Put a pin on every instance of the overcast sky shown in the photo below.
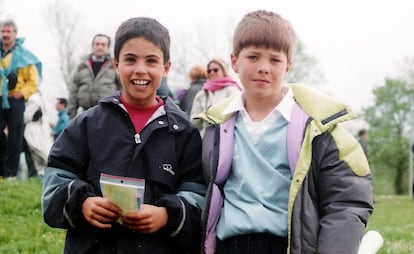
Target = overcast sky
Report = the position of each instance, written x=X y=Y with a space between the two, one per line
x=357 y=43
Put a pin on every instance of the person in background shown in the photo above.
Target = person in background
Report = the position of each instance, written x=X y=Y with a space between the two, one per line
x=95 y=77
x=3 y=151
x=362 y=138
x=133 y=133
x=164 y=89
x=285 y=176
x=197 y=76
x=412 y=150
x=218 y=87
x=37 y=135
x=20 y=73
x=179 y=95
x=63 y=117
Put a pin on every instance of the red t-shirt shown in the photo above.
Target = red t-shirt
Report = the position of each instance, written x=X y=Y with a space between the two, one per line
x=140 y=115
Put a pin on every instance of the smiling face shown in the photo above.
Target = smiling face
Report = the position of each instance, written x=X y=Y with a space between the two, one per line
x=141 y=68
x=261 y=71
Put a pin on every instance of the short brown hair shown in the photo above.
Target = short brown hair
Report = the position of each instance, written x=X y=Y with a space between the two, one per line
x=197 y=72
x=264 y=29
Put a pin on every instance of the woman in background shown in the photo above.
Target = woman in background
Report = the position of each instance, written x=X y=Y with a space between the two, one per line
x=218 y=87
x=198 y=76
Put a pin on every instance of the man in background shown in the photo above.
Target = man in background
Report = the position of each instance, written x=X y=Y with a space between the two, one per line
x=3 y=150
x=94 y=78
x=20 y=73
x=37 y=136
x=362 y=138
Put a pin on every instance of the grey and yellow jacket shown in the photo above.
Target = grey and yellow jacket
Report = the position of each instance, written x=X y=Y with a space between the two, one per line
x=166 y=153
x=86 y=89
x=330 y=198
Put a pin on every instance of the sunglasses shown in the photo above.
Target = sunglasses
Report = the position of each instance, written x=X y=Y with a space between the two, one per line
x=211 y=70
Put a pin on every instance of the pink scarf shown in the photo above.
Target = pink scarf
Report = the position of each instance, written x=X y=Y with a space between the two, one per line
x=214 y=85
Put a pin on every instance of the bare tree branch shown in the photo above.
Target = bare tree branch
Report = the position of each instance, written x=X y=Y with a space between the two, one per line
x=210 y=39
x=304 y=67
x=64 y=22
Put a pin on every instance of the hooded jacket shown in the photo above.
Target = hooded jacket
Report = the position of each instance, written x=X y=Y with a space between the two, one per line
x=166 y=153
x=330 y=197
x=86 y=89
x=187 y=102
x=205 y=98
x=26 y=66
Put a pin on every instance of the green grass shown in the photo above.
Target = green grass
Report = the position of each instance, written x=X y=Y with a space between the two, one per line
x=393 y=218
x=22 y=229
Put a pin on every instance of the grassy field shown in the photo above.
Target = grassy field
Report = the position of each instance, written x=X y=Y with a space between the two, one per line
x=22 y=229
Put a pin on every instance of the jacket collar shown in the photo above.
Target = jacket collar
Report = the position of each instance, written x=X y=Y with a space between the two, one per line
x=176 y=119
x=324 y=110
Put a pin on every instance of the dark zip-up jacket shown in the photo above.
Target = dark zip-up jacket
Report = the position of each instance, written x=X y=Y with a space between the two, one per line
x=330 y=197
x=167 y=154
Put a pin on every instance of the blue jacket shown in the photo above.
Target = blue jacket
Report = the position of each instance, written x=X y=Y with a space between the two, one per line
x=62 y=122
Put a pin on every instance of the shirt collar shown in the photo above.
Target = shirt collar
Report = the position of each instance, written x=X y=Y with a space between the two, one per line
x=284 y=108
x=4 y=53
x=98 y=59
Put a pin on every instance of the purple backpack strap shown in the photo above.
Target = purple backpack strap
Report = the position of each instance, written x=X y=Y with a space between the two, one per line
x=223 y=169
x=294 y=135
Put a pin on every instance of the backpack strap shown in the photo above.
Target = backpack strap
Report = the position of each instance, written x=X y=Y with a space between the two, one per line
x=294 y=134
x=224 y=156
x=209 y=155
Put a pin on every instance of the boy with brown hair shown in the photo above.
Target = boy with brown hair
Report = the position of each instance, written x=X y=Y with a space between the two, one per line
x=284 y=176
x=135 y=134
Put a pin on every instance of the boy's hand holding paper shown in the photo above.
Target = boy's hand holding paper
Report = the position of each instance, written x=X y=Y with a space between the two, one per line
x=125 y=192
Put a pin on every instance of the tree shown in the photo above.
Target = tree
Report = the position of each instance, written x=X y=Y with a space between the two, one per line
x=206 y=40
x=407 y=68
x=64 y=22
x=304 y=67
x=388 y=143
x=214 y=39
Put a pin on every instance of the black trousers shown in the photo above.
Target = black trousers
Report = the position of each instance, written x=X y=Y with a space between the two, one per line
x=262 y=243
x=29 y=160
x=3 y=152
x=12 y=118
